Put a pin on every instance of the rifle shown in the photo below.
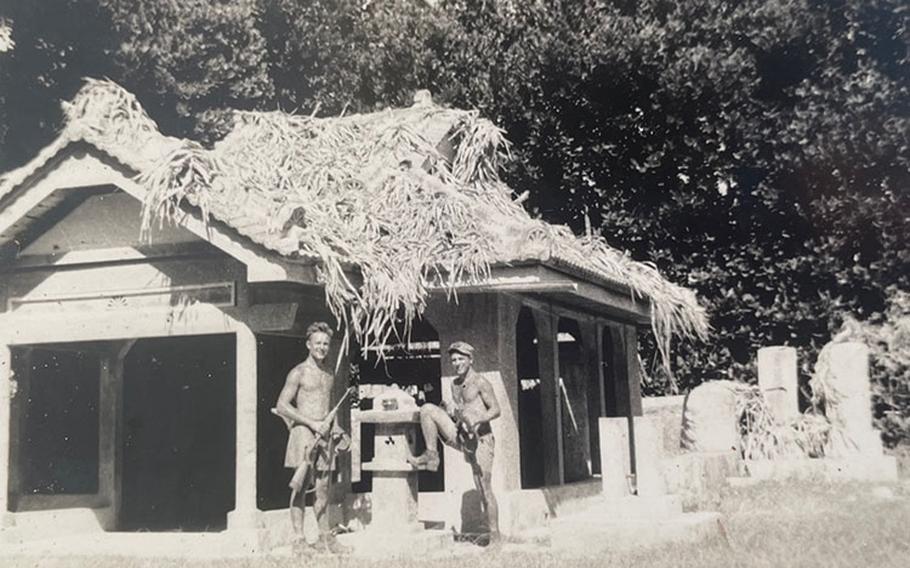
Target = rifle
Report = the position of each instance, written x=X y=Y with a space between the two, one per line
x=297 y=480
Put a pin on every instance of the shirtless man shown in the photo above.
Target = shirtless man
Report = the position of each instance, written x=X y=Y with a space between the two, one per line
x=465 y=425
x=305 y=402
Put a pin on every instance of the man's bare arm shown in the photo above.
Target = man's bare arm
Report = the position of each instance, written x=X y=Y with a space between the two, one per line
x=287 y=410
x=489 y=400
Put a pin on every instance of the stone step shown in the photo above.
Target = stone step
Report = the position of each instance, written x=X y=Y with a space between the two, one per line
x=412 y=544
x=875 y=468
x=585 y=535
x=632 y=507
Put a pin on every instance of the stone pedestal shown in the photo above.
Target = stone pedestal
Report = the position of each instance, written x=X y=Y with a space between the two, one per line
x=394 y=496
x=777 y=379
x=850 y=410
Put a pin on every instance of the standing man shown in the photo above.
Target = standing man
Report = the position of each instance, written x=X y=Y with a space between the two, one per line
x=465 y=426
x=304 y=403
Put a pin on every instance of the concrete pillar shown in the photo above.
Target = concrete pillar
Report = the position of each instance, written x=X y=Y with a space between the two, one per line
x=108 y=410
x=777 y=380
x=633 y=371
x=245 y=514
x=6 y=378
x=615 y=463
x=851 y=409
x=551 y=407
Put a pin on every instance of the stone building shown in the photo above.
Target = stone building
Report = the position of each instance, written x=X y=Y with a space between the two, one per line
x=139 y=360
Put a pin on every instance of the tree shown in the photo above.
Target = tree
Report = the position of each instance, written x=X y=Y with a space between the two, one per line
x=757 y=151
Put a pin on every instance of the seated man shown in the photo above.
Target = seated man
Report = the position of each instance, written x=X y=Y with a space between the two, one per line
x=465 y=426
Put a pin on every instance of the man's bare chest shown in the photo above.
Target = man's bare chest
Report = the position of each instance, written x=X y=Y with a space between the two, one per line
x=311 y=379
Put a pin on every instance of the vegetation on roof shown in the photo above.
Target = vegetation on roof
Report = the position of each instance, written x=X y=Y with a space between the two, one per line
x=377 y=191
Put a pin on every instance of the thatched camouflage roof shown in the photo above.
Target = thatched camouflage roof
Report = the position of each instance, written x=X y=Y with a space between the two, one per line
x=411 y=198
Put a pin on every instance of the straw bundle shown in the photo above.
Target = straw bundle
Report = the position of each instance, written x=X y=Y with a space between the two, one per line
x=373 y=192
x=763 y=436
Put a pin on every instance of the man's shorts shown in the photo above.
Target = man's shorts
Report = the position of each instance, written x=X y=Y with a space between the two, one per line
x=481 y=459
x=300 y=441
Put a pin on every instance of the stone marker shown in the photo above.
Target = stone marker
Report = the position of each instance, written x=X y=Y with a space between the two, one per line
x=615 y=457
x=777 y=379
x=710 y=422
x=844 y=367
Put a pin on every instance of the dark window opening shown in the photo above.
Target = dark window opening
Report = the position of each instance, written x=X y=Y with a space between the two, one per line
x=58 y=394
x=572 y=388
x=530 y=411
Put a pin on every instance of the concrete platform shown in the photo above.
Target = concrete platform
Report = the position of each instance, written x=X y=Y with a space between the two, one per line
x=139 y=545
x=587 y=535
x=379 y=544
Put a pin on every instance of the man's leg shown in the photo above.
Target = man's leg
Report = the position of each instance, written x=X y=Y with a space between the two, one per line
x=489 y=504
x=321 y=502
x=326 y=542
x=298 y=493
x=434 y=422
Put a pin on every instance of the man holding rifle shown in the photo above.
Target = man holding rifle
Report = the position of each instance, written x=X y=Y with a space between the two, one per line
x=465 y=425
x=314 y=438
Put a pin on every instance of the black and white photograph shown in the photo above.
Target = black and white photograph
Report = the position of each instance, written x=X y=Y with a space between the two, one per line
x=448 y=283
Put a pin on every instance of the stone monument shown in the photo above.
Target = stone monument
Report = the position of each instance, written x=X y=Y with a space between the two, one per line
x=709 y=418
x=778 y=381
x=845 y=370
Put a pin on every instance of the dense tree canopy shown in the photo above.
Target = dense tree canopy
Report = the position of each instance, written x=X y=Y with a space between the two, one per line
x=758 y=151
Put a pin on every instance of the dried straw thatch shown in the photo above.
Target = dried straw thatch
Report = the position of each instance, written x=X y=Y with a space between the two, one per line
x=373 y=192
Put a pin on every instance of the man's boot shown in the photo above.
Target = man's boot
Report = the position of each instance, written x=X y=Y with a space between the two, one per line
x=301 y=547
x=328 y=544
x=428 y=461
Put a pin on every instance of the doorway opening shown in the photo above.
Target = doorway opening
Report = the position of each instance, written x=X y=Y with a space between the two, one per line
x=179 y=434
x=530 y=410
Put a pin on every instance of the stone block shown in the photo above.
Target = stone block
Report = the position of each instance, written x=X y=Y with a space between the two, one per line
x=616 y=457
x=778 y=381
x=709 y=418
x=667 y=411
x=695 y=473
x=844 y=367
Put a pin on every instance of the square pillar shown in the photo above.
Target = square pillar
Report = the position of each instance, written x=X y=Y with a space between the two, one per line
x=109 y=407
x=551 y=410
x=778 y=381
x=6 y=386
x=245 y=514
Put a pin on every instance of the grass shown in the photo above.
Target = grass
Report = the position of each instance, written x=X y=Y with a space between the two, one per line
x=770 y=525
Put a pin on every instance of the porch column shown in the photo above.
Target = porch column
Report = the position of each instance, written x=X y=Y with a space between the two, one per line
x=6 y=376
x=551 y=412
x=245 y=514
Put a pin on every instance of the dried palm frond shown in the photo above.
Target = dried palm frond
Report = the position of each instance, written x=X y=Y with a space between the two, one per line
x=766 y=437
x=370 y=193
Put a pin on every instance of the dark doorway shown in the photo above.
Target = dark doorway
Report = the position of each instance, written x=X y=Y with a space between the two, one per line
x=608 y=364
x=278 y=354
x=573 y=392
x=179 y=434
x=58 y=419
x=530 y=410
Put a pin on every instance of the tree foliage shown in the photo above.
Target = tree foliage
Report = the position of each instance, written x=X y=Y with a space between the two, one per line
x=758 y=151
